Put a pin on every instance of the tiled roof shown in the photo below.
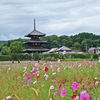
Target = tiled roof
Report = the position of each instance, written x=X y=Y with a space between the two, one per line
x=35 y=33
x=53 y=49
x=64 y=48
x=92 y=48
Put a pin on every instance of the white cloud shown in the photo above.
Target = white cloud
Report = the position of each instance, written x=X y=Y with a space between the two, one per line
x=59 y=17
x=3 y=37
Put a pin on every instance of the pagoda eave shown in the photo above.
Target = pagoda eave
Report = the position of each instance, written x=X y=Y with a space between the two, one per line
x=33 y=35
x=41 y=42
x=36 y=50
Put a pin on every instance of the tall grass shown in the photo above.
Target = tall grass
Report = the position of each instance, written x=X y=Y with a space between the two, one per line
x=86 y=73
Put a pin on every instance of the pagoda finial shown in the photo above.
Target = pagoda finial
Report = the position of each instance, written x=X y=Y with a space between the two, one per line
x=34 y=24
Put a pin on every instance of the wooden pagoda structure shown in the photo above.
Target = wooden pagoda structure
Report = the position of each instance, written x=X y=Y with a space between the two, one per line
x=35 y=43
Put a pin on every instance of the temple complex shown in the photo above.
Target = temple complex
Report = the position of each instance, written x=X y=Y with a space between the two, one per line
x=35 y=43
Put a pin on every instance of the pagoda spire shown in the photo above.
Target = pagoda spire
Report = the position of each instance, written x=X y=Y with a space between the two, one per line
x=34 y=24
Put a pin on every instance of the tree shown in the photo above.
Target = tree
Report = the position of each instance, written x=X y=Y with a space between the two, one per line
x=4 y=50
x=63 y=42
x=15 y=47
x=0 y=46
x=76 y=45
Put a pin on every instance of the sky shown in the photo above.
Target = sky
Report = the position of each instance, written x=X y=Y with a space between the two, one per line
x=53 y=17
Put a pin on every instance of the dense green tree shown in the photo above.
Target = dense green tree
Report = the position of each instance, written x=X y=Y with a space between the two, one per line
x=78 y=41
x=64 y=42
x=76 y=45
x=15 y=47
x=1 y=46
x=4 y=50
x=55 y=44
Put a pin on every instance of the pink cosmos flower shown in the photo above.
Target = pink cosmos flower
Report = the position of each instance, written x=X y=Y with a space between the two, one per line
x=28 y=78
x=75 y=85
x=51 y=62
x=34 y=74
x=84 y=96
x=28 y=74
x=23 y=81
x=60 y=86
x=58 y=69
x=51 y=66
x=50 y=98
x=98 y=99
x=37 y=68
x=55 y=93
x=83 y=92
x=33 y=69
x=58 y=61
x=64 y=52
x=28 y=84
x=63 y=92
x=36 y=64
x=29 y=61
x=0 y=69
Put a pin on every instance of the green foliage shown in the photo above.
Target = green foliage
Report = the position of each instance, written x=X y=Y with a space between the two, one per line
x=49 y=59
x=76 y=42
x=0 y=46
x=95 y=56
x=4 y=50
x=51 y=56
x=15 y=47
x=5 y=57
x=21 y=56
x=36 y=56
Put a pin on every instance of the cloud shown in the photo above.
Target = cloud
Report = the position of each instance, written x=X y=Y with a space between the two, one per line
x=59 y=17
x=3 y=37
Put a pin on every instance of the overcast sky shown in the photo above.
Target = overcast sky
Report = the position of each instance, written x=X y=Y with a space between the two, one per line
x=53 y=17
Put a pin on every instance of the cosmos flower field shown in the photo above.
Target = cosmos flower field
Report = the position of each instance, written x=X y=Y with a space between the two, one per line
x=30 y=80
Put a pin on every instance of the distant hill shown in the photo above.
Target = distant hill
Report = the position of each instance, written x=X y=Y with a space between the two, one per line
x=2 y=42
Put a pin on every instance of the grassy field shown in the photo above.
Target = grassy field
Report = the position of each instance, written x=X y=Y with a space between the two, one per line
x=30 y=80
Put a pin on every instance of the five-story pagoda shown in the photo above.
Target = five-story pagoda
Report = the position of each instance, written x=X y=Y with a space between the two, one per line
x=35 y=43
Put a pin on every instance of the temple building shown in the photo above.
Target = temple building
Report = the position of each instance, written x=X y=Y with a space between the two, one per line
x=35 y=43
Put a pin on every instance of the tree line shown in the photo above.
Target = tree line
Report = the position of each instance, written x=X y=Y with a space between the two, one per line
x=75 y=42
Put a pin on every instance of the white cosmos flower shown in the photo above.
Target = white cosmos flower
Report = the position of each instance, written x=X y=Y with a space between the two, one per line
x=96 y=82
x=51 y=87
x=34 y=82
x=24 y=73
x=18 y=77
x=77 y=98
x=54 y=73
x=8 y=97
x=45 y=74
x=24 y=69
x=9 y=68
x=95 y=78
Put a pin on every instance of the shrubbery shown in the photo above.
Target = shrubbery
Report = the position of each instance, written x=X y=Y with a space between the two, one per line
x=50 y=57
x=5 y=57
x=95 y=56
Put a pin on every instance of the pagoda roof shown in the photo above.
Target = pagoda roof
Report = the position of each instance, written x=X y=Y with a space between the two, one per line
x=35 y=32
x=32 y=50
x=35 y=42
